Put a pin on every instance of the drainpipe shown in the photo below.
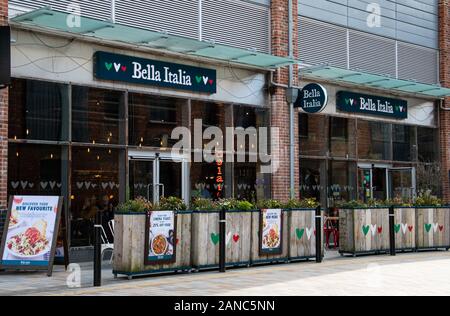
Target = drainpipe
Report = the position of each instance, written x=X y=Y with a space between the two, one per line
x=291 y=105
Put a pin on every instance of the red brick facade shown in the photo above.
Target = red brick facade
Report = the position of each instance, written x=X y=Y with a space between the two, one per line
x=444 y=43
x=3 y=123
x=279 y=106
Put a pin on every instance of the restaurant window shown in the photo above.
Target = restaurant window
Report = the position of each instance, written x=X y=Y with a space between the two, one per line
x=303 y=125
x=342 y=184
x=208 y=182
x=35 y=110
x=316 y=142
x=34 y=170
x=153 y=118
x=404 y=138
x=428 y=144
x=313 y=179
x=96 y=115
x=95 y=187
x=374 y=140
x=342 y=137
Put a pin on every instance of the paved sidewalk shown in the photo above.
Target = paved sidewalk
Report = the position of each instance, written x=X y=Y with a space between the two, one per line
x=406 y=274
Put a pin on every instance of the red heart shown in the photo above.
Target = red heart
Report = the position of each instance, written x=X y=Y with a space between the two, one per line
x=211 y=82
x=315 y=232
x=18 y=201
x=236 y=238
x=441 y=228
x=124 y=68
x=380 y=230
x=177 y=241
x=411 y=228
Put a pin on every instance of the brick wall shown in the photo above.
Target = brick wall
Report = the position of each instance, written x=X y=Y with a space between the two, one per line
x=279 y=106
x=444 y=42
x=3 y=131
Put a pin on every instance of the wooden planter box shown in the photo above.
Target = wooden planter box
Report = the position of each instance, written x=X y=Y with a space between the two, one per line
x=205 y=239
x=302 y=237
x=405 y=229
x=364 y=231
x=433 y=228
x=129 y=245
x=255 y=256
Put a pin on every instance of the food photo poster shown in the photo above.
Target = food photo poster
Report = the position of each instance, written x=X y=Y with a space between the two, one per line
x=31 y=229
x=271 y=234
x=160 y=237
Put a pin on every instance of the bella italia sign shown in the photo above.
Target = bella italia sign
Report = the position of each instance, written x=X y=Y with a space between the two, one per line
x=130 y=69
x=372 y=105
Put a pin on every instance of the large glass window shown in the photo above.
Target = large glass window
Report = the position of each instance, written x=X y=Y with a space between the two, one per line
x=404 y=142
x=34 y=170
x=428 y=144
x=374 y=140
x=314 y=137
x=342 y=137
x=96 y=115
x=342 y=181
x=152 y=119
x=313 y=179
x=35 y=110
x=95 y=187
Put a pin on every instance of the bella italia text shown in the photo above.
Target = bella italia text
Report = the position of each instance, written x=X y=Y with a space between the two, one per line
x=150 y=73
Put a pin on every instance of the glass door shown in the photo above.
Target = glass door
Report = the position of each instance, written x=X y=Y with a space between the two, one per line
x=365 y=184
x=402 y=183
x=142 y=179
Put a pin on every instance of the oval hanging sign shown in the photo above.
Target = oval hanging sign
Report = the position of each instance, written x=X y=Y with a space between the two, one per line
x=312 y=99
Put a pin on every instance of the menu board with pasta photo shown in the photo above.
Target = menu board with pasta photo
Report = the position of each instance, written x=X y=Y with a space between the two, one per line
x=271 y=231
x=160 y=243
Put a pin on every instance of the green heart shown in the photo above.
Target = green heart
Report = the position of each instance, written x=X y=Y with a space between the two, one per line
x=215 y=238
x=397 y=228
x=300 y=233
x=198 y=78
x=347 y=101
x=366 y=230
x=108 y=66
x=428 y=227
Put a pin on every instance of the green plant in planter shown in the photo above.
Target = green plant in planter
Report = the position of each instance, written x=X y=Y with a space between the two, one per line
x=426 y=198
x=227 y=204
x=201 y=204
x=244 y=206
x=352 y=204
x=171 y=204
x=139 y=205
x=399 y=202
x=269 y=204
x=304 y=203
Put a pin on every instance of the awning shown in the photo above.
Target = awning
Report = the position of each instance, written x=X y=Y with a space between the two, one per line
x=51 y=20
x=370 y=81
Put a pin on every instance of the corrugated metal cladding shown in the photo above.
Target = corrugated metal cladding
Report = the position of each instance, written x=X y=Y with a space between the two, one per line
x=237 y=23
x=418 y=63
x=98 y=9
x=331 y=47
x=413 y=21
x=372 y=53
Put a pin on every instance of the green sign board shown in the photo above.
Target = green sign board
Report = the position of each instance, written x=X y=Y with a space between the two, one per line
x=371 y=105
x=108 y=66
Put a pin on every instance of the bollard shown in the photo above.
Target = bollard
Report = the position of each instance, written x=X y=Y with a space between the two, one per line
x=98 y=250
x=392 y=230
x=222 y=245
x=319 y=234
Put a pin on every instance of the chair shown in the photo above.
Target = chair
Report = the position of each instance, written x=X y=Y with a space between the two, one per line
x=106 y=245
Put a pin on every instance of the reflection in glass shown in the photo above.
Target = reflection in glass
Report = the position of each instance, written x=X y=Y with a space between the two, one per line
x=403 y=138
x=35 y=109
x=141 y=179
x=428 y=144
x=342 y=137
x=95 y=115
x=315 y=143
x=34 y=170
x=374 y=140
x=312 y=180
x=342 y=181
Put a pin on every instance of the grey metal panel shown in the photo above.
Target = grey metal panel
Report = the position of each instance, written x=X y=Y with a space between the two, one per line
x=419 y=40
x=237 y=23
x=431 y=23
x=323 y=14
x=415 y=13
x=362 y=26
x=99 y=9
x=418 y=63
x=430 y=6
x=419 y=31
x=321 y=42
x=178 y=17
x=372 y=53
x=387 y=7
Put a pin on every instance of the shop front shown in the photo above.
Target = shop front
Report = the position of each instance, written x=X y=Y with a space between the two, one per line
x=93 y=123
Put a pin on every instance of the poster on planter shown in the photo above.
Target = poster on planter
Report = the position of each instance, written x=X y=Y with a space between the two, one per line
x=271 y=231
x=31 y=231
x=161 y=238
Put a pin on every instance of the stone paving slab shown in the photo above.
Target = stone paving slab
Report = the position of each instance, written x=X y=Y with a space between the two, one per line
x=406 y=274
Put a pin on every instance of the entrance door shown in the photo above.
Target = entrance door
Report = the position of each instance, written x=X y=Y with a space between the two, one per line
x=402 y=183
x=155 y=175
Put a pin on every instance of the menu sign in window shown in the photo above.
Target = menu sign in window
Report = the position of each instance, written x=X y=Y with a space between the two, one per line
x=372 y=105
x=31 y=231
x=161 y=241
x=271 y=231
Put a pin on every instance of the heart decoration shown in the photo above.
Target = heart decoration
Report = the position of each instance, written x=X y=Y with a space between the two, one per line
x=124 y=68
x=380 y=230
x=198 y=79
x=366 y=230
x=236 y=238
x=228 y=240
x=435 y=227
x=18 y=200
x=211 y=82
x=108 y=66
x=15 y=185
x=215 y=238
x=177 y=241
x=441 y=228
x=404 y=228
x=410 y=228
x=397 y=228
x=373 y=228
x=309 y=233
x=428 y=227
x=300 y=233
